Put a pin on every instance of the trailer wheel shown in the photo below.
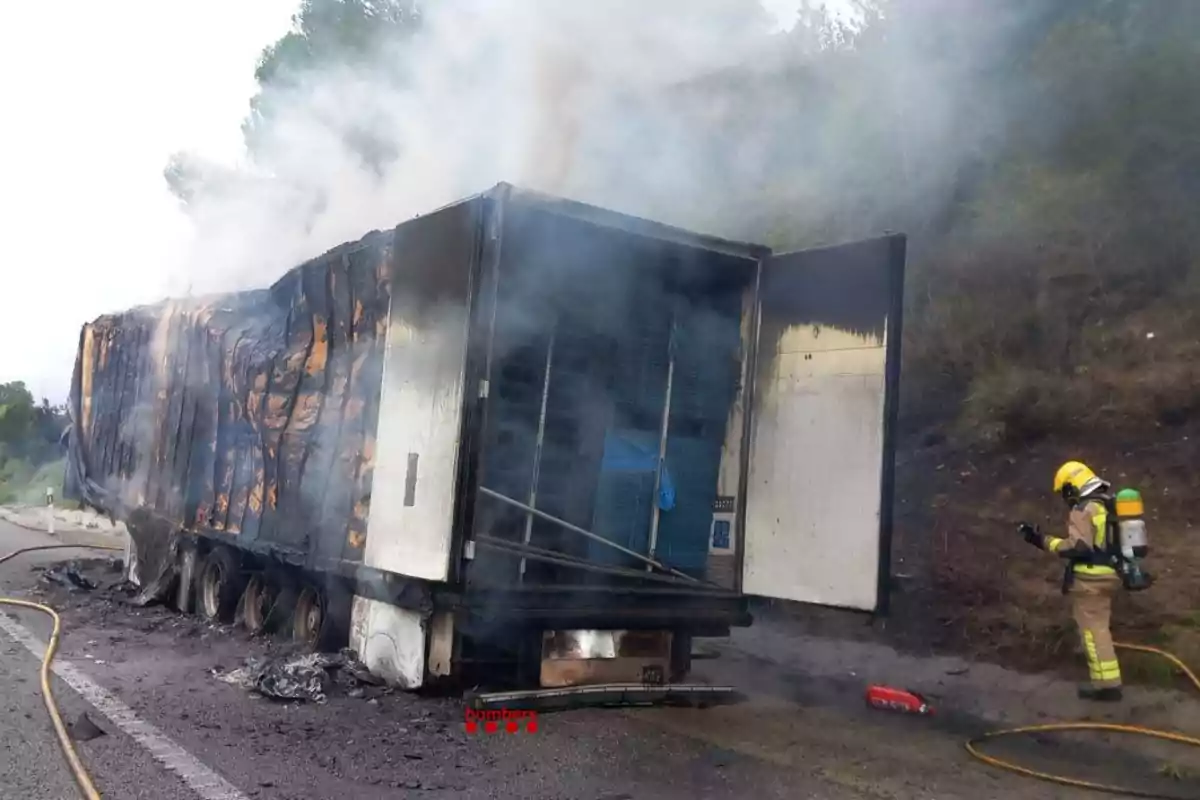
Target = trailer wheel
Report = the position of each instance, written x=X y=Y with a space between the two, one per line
x=280 y=617
x=258 y=601
x=307 y=616
x=220 y=586
x=320 y=619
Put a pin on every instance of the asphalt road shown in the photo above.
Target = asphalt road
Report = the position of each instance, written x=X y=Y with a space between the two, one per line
x=34 y=765
x=35 y=769
x=797 y=737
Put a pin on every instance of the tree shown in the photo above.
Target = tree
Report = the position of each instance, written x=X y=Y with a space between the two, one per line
x=327 y=35
x=50 y=422
x=28 y=431
x=18 y=415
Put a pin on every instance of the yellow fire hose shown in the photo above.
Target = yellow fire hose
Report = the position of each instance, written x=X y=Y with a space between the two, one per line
x=1109 y=727
x=86 y=787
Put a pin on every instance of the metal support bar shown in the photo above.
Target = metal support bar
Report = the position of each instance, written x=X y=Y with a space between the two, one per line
x=655 y=510
x=537 y=453
x=563 y=560
x=585 y=533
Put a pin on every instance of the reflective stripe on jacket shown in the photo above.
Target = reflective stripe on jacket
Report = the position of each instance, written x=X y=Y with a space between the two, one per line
x=1087 y=523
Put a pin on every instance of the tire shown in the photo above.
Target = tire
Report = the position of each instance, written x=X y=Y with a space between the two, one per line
x=219 y=586
x=286 y=593
x=258 y=602
x=321 y=618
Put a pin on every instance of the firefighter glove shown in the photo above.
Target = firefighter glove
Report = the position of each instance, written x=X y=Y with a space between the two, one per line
x=1033 y=535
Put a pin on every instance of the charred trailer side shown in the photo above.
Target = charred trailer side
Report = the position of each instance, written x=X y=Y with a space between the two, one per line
x=235 y=435
x=544 y=437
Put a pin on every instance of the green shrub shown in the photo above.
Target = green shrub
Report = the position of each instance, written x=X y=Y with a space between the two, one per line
x=22 y=483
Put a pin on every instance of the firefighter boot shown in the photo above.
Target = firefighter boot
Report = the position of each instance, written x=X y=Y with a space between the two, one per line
x=1104 y=694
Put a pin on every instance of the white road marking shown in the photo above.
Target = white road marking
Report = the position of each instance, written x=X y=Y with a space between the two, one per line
x=206 y=783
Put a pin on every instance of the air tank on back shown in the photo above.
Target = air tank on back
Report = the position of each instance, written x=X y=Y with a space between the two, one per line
x=1131 y=531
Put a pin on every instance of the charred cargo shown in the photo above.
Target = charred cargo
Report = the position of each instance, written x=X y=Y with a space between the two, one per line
x=517 y=430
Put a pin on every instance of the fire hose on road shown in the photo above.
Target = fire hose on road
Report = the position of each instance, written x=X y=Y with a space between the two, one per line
x=86 y=787
x=1108 y=727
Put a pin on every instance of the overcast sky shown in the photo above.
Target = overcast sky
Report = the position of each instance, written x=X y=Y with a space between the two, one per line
x=95 y=97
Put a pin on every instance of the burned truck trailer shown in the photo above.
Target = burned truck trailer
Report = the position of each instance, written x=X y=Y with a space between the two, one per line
x=517 y=430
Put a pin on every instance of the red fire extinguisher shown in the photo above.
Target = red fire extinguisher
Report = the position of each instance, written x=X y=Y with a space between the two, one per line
x=888 y=698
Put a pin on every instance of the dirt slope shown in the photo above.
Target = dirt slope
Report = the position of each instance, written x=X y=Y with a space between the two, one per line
x=968 y=582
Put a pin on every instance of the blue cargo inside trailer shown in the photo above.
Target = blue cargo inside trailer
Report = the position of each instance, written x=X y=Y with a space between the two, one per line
x=616 y=366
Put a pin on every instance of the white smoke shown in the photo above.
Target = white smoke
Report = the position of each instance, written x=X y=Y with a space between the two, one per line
x=545 y=94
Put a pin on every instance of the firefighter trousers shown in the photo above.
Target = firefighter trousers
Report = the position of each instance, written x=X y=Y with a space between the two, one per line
x=1091 y=605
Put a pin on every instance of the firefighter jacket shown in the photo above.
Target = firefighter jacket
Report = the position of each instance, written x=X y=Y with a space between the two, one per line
x=1087 y=524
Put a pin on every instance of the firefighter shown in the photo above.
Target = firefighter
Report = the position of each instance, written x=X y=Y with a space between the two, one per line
x=1089 y=578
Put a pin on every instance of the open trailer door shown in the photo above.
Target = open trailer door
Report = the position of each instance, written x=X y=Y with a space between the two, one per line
x=820 y=472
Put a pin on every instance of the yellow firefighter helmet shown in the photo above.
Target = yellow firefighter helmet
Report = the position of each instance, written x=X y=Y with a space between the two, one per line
x=1075 y=479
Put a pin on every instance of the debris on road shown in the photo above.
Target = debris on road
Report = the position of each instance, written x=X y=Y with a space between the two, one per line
x=69 y=576
x=302 y=678
x=307 y=677
x=84 y=730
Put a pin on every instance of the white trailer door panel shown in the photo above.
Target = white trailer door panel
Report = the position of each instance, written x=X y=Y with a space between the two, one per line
x=819 y=487
x=411 y=529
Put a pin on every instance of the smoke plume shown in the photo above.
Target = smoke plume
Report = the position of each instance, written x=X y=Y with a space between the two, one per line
x=543 y=94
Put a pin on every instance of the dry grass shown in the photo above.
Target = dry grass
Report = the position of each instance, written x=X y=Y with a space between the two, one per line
x=1022 y=357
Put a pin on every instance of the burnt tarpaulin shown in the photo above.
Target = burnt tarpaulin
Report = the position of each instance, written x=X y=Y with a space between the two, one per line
x=155 y=541
x=251 y=415
x=69 y=577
